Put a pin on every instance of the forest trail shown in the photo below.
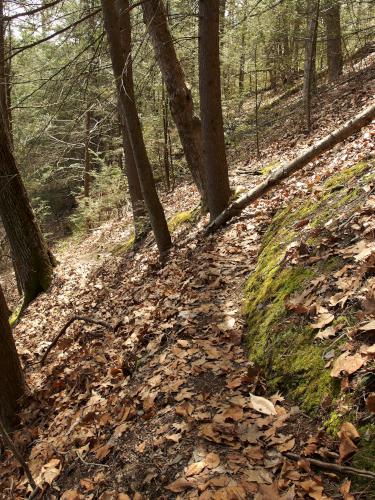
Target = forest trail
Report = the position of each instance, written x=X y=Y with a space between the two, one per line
x=162 y=406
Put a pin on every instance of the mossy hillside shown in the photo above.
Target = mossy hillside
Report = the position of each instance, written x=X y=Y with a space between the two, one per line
x=281 y=342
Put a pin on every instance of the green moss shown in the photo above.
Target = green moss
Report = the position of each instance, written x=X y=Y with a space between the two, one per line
x=333 y=423
x=16 y=314
x=267 y=169
x=179 y=219
x=122 y=248
x=282 y=342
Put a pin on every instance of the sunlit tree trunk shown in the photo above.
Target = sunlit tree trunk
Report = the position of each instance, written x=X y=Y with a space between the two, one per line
x=333 y=35
x=11 y=376
x=179 y=93
x=309 y=82
x=120 y=51
x=214 y=155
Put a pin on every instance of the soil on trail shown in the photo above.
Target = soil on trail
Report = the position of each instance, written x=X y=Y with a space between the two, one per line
x=165 y=405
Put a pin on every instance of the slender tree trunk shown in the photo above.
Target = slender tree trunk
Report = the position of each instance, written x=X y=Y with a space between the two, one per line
x=214 y=155
x=309 y=82
x=333 y=35
x=140 y=219
x=167 y=167
x=11 y=376
x=30 y=255
x=180 y=99
x=120 y=50
x=87 y=159
x=4 y=77
x=241 y=75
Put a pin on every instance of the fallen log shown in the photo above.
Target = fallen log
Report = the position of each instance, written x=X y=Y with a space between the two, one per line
x=275 y=178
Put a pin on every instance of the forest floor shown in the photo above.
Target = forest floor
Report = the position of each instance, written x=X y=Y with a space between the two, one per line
x=163 y=403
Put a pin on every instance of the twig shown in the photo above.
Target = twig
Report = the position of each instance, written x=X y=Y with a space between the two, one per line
x=342 y=469
x=8 y=442
x=66 y=326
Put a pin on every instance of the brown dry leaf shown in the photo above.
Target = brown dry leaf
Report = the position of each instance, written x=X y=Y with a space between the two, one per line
x=311 y=446
x=370 y=402
x=195 y=468
x=347 y=363
x=174 y=437
x=347 y=448
x=227 y=324
x=345 y=491
x=268 y=492
x=103 y=451
x=323 y=320
x=349 y=429
x=260 y=476
x=180 y=485
x=185 y=409
x=368 y=327
x=212 y=460
x=49 y=472
x=87 y=484
x=287 y=446
x=253 y=452
x=262 y=405
x=327 y=333
x=71 y=495
x=313 y=489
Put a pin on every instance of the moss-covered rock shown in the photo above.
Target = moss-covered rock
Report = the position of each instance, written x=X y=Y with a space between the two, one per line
x=280 y=341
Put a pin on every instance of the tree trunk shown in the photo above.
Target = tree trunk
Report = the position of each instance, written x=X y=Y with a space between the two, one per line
x=180 y=98
x=214 y=155
x=140 y=219
x=31 y=258
x=325 y=144
x=309 y=82
x=4 y=77
x=333 y=35
x=120 y=51
x=166 y=162
x=87 y=159
x=11 y=376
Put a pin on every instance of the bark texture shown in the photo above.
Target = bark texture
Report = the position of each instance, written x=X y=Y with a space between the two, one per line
x=31 y=258
x=328 y=142
x=179 y=93
x=309 y=79
x=333 y=34
x=214 y=155
x=11 y=376
x=119 y=38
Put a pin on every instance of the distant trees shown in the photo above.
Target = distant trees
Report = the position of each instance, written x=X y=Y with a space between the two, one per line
x=11 y=376
x=214 y=154
x=120 y=51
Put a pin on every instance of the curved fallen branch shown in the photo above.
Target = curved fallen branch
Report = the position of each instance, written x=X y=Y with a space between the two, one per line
x=9 y=443
x=66 y=326
x=328 y=142
x=341 y=469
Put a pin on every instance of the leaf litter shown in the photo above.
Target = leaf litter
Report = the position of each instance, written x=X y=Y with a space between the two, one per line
x=166 y=406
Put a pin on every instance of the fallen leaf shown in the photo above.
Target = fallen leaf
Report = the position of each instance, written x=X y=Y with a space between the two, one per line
x=262 y=405
x=368 y=327
x=259 y=476
x=347 y=448
x=195 y=468
x=212 y=460
x=180 y=485
x=227 y=324
x=347 y=363
x=323 y=320
x=313 y=489
x=349 y=429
